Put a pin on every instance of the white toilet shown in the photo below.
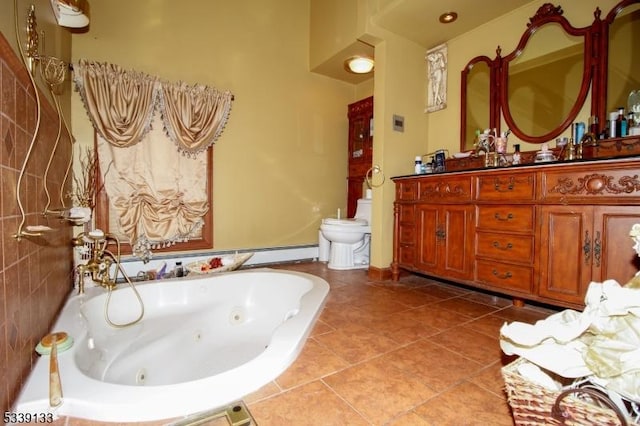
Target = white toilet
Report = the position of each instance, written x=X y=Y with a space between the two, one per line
x=347 y=239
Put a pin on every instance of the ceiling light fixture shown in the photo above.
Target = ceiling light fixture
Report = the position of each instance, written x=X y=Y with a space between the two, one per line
x=359 y=64
x=447 y=18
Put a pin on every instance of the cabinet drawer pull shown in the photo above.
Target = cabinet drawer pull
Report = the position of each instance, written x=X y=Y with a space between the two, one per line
x=500 y=187
x=504 y=276
x=597 y=249
x=497 y=245
x=586 y=247
x=509 y=216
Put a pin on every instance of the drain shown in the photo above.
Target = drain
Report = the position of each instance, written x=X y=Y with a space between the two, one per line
x=141 y=376
x=237 y=315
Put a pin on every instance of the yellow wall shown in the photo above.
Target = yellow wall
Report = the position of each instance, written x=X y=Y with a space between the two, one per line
x=334 y=27
x=281 y=163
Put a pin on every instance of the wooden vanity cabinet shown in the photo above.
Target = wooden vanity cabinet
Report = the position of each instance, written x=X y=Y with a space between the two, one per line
x=360 y=150
x=536 y=233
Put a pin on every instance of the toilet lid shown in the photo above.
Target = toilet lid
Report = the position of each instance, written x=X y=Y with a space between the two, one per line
x=345 y=222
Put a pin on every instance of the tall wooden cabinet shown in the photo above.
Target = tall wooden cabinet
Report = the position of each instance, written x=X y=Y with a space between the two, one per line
x=539 y=232
x=360 y=146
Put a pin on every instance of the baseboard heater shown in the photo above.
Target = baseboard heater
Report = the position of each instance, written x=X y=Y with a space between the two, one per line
x=261 y=256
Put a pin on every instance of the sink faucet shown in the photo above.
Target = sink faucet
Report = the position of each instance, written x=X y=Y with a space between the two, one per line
x=99 y=265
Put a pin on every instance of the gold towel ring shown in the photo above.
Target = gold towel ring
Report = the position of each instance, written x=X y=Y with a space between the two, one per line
x=369 y=176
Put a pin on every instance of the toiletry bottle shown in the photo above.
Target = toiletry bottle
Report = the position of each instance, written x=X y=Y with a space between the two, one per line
x=418 y=165
x=593 y=125
x=613 y=118
x=516 y=155
x=580 y=127
x=621 y=123
x=179 y=269
x=631 y=120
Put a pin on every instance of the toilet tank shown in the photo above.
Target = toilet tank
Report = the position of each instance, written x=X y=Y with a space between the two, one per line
x=363 y=209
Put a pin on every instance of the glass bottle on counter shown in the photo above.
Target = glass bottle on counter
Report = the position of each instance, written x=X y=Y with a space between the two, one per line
x=516 y=155
x=179 y=269
x=418 y=165
x=621 y=124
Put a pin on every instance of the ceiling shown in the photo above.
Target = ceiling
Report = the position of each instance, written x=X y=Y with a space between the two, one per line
x=417 y=20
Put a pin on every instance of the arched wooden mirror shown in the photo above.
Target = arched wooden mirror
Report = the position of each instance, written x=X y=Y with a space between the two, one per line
x=622 y=36
x=479 y=100
x=544 y=82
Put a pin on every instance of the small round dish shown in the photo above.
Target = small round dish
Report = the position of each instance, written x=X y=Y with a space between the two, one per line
x=462 y=154
x=544 y=157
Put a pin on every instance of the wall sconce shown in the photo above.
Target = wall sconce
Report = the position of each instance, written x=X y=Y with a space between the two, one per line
x=70 y=13
x=359 y=64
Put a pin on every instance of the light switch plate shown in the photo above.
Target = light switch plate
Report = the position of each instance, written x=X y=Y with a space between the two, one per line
x=398 y=123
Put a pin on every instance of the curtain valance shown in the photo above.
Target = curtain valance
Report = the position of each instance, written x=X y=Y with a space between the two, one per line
x=194 y=116
x=121 y=104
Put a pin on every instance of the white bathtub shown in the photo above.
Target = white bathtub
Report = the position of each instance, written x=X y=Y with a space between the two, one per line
x=203 y=342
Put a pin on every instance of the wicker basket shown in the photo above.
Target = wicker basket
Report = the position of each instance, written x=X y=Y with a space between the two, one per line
x=532 y=404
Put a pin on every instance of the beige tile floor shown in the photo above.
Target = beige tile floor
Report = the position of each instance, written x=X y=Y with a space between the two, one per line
x=415 y=352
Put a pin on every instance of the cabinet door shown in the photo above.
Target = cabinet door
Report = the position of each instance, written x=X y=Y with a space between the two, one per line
x=566 y=250
x=457 y=252
x=613 y=254
x=429 y=235
x=445 y=240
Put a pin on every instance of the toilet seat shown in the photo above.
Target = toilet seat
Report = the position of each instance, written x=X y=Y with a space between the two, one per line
x=345 y=222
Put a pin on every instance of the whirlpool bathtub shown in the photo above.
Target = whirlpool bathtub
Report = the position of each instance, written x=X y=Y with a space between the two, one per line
x=203 y=342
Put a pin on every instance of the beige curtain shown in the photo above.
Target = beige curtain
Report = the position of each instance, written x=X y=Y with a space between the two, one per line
x=158 y=195
x=194 y=116
x=119 y=103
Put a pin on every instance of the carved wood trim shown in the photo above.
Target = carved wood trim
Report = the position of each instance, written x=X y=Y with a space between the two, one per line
x=596 y=184
x=545 y=11
x=444 y=189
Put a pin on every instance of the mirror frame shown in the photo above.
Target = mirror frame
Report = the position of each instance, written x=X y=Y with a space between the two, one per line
x=601 y=77
x=595 y=74
x=547 y=14
x=494 y=106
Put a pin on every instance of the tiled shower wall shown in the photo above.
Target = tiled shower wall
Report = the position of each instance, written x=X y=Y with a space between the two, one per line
x=36 y=272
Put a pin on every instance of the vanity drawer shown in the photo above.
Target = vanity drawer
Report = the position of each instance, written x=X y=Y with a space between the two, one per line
x=506 y=186
x=407 y=234
x=506 y=218
x=445 y=189
x=406 y=213
x=406 y=255
x=564 y=186
x=505 y=275
x=406 y=190
x=514 y=248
